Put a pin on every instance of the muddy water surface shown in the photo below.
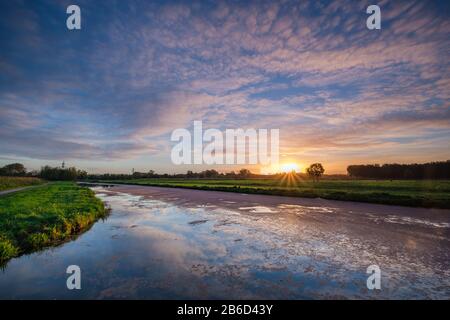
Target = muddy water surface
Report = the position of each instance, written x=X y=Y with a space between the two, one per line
x=176 y=243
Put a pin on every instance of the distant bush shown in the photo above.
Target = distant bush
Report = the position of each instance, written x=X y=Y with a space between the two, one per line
x=66 y=174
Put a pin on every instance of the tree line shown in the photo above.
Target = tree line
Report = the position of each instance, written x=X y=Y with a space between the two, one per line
x=206 y=174
x=72 y=173
x=46 y=172
x=431 y=170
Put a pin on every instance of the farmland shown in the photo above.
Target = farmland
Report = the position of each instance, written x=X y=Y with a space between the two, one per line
x=415 y=193
x=7 y=183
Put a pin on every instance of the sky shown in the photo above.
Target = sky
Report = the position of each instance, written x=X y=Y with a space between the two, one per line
x=106 y=98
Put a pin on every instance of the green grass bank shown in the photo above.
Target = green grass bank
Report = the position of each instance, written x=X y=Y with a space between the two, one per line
x=44 y=216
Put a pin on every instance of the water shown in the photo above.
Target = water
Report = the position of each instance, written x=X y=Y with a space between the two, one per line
x=170 y=243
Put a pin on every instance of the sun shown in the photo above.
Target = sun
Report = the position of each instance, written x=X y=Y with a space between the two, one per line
x=289 y=167
x=286 y=167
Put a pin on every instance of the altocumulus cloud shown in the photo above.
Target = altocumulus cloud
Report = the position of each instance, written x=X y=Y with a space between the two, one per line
x=138 y=70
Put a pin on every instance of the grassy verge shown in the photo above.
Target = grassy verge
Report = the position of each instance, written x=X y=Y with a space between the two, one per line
x=40 y=217
x=414 y=193
x=7 y=183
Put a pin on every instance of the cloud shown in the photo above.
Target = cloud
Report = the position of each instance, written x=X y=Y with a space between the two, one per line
x=137 y=70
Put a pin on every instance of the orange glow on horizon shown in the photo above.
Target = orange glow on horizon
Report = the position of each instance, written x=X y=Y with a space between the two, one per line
x=289 y=167
x=286 y=167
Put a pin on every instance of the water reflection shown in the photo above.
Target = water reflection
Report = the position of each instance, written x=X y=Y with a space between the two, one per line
x=170 y=246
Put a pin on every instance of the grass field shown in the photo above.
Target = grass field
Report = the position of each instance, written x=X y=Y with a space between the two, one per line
x=7 y=183
x=44 y=216
x=415 y=193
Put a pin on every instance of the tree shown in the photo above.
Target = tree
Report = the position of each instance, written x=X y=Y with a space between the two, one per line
x=13 y=169
x=190 y=174
x=315 y=171
x=49 y=173
x=244 y=173
x=81 y=174
x=210 y=173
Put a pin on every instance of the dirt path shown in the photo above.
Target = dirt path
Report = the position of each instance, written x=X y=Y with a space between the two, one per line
x=5 y=192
